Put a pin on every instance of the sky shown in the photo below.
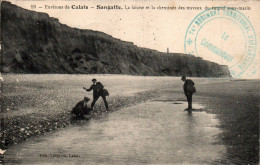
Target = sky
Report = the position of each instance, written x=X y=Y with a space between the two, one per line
x=160 y=29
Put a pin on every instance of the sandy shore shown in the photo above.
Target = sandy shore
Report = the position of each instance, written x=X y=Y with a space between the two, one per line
x=154 y=132
x=19 y=128
x=236 y=104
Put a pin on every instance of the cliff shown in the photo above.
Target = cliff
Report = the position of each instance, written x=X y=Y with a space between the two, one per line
x=33 y=42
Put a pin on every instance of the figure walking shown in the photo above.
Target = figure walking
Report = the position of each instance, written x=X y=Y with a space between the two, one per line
x=98 y=90
x=189 y=89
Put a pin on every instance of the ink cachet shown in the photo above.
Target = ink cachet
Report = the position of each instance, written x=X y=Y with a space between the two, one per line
x=225 y=35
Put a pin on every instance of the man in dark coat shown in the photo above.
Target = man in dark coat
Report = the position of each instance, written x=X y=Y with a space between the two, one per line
x=98 y=90
x=81 y=108
x=189 y=89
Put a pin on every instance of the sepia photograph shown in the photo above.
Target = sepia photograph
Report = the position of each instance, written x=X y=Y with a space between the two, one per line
x=121 y=82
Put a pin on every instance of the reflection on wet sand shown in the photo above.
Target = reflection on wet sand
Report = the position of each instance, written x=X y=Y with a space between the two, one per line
x=148 y=133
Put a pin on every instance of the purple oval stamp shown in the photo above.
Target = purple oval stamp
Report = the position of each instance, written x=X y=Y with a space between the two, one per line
x=225 y=35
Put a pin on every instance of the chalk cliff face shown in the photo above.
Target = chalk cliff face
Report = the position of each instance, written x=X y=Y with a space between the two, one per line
x=33 y=42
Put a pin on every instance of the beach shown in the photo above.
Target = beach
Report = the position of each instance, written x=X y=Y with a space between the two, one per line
x=38 y=105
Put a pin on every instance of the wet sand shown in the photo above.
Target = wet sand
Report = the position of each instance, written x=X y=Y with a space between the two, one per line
x=154 y=132
x=34 y=104
x=235 y=104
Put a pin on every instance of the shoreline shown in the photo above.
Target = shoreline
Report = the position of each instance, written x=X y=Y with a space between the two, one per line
x=2 y=74
x=234 y=103
x=17 y=129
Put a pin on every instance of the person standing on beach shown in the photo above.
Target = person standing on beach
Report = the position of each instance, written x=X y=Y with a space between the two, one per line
x=189 y=89
x=98 y=90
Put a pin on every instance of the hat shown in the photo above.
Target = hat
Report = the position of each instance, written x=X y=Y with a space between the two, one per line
x=183 y=77
x=86 y=99
x=94 y=79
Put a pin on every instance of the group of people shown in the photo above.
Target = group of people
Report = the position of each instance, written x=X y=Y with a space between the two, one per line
x=82 y=109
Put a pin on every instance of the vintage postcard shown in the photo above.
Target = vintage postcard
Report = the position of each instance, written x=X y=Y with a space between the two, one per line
x=129 y=82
